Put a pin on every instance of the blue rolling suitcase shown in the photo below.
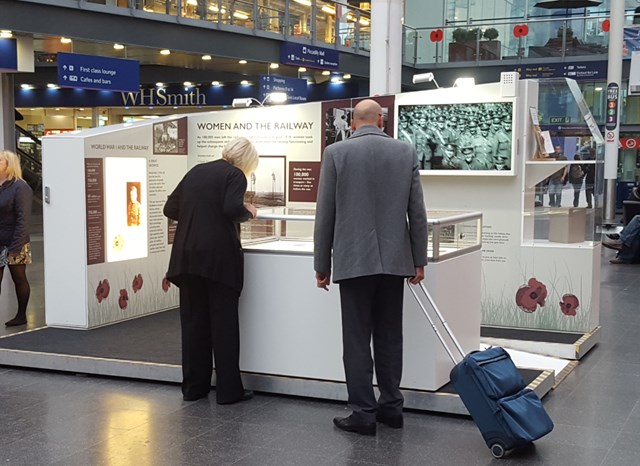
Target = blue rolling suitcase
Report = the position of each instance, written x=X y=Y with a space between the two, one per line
x=508 y=414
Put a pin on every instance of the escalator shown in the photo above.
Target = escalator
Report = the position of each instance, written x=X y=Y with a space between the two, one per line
x=29 y=149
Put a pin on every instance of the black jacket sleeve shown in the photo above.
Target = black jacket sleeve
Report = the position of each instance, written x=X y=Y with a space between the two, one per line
x=234 y=208
x=172 y=206
x=22 y=206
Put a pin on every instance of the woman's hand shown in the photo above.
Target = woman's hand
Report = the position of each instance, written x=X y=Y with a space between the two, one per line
x=252 y=209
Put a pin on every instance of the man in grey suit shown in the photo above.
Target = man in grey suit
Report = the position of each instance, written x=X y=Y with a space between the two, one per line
x=371 y=214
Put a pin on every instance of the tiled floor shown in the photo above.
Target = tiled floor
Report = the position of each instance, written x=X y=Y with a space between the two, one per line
x=53 y=418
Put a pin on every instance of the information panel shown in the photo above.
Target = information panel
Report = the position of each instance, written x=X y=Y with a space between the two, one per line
x=101 y=73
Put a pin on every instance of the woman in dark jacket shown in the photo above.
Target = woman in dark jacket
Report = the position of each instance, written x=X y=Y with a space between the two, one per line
x=207 y=265
x=15 y=215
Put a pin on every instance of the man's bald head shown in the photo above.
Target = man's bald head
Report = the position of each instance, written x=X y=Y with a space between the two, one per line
x=367 y=112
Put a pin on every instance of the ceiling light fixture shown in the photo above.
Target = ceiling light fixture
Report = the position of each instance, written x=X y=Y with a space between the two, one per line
x=327 y=9
x=364 y=22
x=242 y=62
x=274 y=66
x=159 y=84
x=192 y=2
x=302 y=69
x=26 y=86
x=206 y=57
x=336 y=80
x=216 y=83
x=118 y=46
x=52 y=86
x=244 y=82
x=272 y=97
x=326 y=73
x=346 y=76
x=65 y=40
x=303 y=2
x=215 y=9
x=187 y=84
x=165 y=52
x=240 y=14
x=6 y=34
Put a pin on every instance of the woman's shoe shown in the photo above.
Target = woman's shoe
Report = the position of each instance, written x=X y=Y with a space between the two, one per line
x=246 y=395
x=616 y=261
x=16 y=321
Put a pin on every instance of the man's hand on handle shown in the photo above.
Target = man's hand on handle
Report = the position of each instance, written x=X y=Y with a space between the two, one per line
x=418 y=277
x=323 y=279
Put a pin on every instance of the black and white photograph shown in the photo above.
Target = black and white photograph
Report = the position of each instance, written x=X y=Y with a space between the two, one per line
x=337 y=118
x=470 y=136
x=266 y=186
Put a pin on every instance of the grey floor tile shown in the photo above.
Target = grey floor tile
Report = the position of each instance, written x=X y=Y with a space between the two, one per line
x=318 y=440
x=199 y=452
x=621 y=458
x=269 y=457
x=581 y=436
x=244 y=433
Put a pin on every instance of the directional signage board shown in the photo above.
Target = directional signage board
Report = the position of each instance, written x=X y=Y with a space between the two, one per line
x=8 y=55
x=309 y=56
x=586 y=70
x=101 y=73
x=296 y=89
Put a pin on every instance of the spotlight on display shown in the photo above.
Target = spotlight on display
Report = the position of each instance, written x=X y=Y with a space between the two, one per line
x=464 y=82
x=425 y=78
x=271 y=98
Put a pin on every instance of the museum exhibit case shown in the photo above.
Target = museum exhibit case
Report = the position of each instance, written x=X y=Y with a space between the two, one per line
x=540 y=264
x=287 y=322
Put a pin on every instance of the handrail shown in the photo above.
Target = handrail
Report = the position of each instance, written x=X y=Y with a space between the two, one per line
x=27 y=156
x=28 y=134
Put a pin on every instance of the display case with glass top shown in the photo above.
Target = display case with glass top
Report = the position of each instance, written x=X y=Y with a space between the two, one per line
x=563 y=190
x=290 y=230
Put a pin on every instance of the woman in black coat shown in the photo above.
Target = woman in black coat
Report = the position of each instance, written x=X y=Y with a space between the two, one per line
x=207 y=264
x=15 y=215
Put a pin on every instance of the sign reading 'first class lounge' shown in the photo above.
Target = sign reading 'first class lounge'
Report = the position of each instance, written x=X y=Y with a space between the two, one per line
x=101 y=73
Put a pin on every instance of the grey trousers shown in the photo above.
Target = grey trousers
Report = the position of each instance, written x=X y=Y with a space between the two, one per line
x=372 y=309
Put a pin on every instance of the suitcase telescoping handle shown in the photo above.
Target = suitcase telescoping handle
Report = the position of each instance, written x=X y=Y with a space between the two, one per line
x=433 y=325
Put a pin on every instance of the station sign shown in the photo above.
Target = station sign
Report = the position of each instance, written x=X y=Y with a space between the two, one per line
x=578 y=71
x=295 y=88
x=309 y=56
x=100 y=73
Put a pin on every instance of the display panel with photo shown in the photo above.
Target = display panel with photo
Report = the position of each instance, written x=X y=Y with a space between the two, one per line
x=266 y=186
x=170 y=137
x=337 y=118
x=126 y=208
x=470 y=136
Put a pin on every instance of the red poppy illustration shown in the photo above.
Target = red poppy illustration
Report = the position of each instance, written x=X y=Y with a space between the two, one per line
x=569 y=304
x=137 y=283
x=123 y=300
x=102 y=291
x=436 y=35
x=520 y=30
x=531 y=295
x=166 y=284
x=606 y=25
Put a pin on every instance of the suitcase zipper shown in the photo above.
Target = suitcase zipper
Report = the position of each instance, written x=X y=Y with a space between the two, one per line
x=489 y=361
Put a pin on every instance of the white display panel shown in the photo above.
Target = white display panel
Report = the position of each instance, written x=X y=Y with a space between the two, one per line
x=125 y=182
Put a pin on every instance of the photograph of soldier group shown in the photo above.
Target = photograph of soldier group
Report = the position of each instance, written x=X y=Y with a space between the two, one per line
x=473 y=136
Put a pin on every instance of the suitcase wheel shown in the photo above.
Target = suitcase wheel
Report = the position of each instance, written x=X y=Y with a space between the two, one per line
x=497 y=450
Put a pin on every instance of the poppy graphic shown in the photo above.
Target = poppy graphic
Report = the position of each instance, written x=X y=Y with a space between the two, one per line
x=569 y=304
x=102 y=291
x=436 y=35
x=606 y=25
x=531 y=295
x=137 y=283
x=520 y=30
x=123 y=300
x=166 y=284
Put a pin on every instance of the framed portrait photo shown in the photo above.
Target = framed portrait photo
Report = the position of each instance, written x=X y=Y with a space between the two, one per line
x=460 y=138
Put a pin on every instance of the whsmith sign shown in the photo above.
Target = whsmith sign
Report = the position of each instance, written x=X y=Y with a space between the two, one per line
x=161 y=97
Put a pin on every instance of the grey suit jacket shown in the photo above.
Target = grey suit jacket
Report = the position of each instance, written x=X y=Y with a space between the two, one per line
x=370 y=210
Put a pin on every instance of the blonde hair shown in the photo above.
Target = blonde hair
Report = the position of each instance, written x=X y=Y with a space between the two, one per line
x=13 y=164
x=241 y=154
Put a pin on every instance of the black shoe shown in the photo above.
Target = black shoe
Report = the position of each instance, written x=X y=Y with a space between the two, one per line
x=17 y=320
x=350 y=424
x=392 y=420
x=246 y=395
x=194 y=397
x=614 y=236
